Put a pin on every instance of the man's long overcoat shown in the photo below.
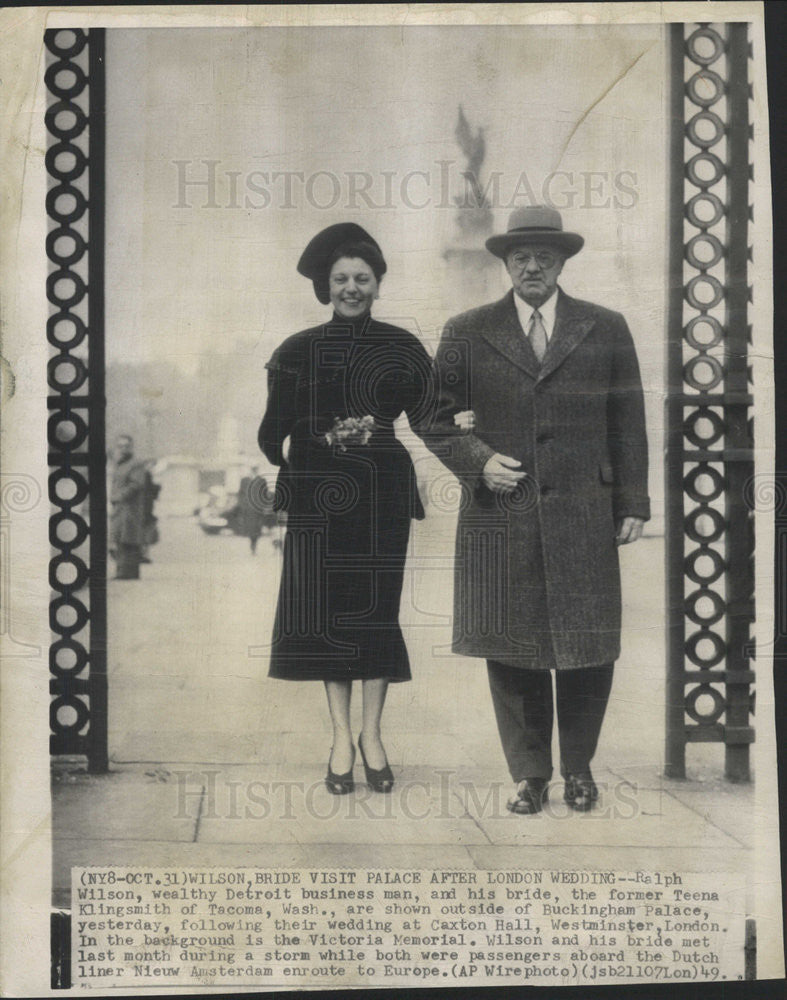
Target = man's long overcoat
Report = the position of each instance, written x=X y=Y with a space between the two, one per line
x=127 y=497
x=537 y=578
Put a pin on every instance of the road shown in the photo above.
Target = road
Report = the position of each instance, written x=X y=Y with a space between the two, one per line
x=212 y=762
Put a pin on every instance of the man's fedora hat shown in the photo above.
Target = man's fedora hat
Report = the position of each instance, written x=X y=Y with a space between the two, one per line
x=535 y=224
x=314 y=262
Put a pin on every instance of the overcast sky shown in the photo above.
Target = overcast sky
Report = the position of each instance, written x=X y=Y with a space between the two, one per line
x=192 y=269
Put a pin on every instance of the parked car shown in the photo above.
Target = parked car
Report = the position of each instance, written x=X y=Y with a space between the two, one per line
x=217 y=515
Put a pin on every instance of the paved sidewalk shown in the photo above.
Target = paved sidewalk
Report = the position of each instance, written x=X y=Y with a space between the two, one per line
x=213 y=763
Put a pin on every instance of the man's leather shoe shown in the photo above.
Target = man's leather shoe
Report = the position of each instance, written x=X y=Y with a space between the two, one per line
x=580 y=791
x=529 y=797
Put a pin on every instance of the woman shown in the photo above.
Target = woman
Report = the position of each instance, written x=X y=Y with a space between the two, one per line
x=349 y=489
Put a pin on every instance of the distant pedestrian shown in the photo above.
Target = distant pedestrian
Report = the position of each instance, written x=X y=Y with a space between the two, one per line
x=150 y=532
x=127 y=500
x=249 y=514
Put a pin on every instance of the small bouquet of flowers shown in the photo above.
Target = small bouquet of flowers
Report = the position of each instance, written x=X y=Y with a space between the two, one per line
x=351 y=430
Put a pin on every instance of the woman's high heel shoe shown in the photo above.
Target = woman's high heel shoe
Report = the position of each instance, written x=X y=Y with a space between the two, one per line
x=381 y=780
x=340 y=784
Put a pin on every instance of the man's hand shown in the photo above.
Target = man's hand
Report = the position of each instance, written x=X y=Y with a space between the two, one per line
x=285 y=448
x=629 y=529
x=499 y=475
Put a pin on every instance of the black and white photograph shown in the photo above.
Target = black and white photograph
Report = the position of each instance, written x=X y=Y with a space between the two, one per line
x=388 y=499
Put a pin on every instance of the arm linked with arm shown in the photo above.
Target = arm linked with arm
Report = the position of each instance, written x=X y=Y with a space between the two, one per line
x=458 y=448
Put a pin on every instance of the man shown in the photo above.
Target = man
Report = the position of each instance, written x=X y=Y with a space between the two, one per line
x=554 y=460
x=127 y=499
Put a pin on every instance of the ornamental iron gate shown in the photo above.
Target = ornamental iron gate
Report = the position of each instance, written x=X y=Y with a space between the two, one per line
x=709 y=457
x=75 y=431
x=709 y=436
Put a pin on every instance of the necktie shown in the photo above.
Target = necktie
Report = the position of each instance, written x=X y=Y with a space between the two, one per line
x=538 y=335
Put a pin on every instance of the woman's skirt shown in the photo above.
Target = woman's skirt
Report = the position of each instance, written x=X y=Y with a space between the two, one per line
x=343 y=567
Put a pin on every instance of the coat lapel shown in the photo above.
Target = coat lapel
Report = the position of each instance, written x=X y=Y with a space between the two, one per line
x=572 y=325
x=504 y=333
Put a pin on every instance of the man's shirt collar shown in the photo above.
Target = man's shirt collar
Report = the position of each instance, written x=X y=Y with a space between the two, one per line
x=546 y=309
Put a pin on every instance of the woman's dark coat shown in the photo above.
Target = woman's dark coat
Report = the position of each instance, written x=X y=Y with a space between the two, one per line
x=348 y=511
x=537 y=579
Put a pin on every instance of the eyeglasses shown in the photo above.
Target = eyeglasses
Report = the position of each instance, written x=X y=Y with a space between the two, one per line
x=544 y=259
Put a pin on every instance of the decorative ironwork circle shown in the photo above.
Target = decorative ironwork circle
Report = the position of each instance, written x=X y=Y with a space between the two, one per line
x=693 y=521
x=705 y=718
x=59 y=433
x=694 y=249
x=706 y=636
x=52 y=36
x=61 y=216
x=54 y=373
x=58 y=524
x=59 y=319
x=692 y=430
x=693 y=558
x=691 y=606
x=695 y=287
x=693 y=210
x=692 y=483
x=699 y=160
x=62 y=149
x=58 y=615
x=63 y=233
x=65 y=132
x=73 y=562
x=62 y=275
x=65 y=646
x=64 y=92
x=67 y=477
x=76 y=705
x=696 y=38
x=698 y=323
x=694 y=367
x=704 y=78
x=695 y=125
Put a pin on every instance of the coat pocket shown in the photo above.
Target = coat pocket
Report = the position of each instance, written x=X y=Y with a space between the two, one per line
x=605 y=473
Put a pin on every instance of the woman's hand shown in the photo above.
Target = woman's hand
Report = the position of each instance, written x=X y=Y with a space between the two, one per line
x=285 y=448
